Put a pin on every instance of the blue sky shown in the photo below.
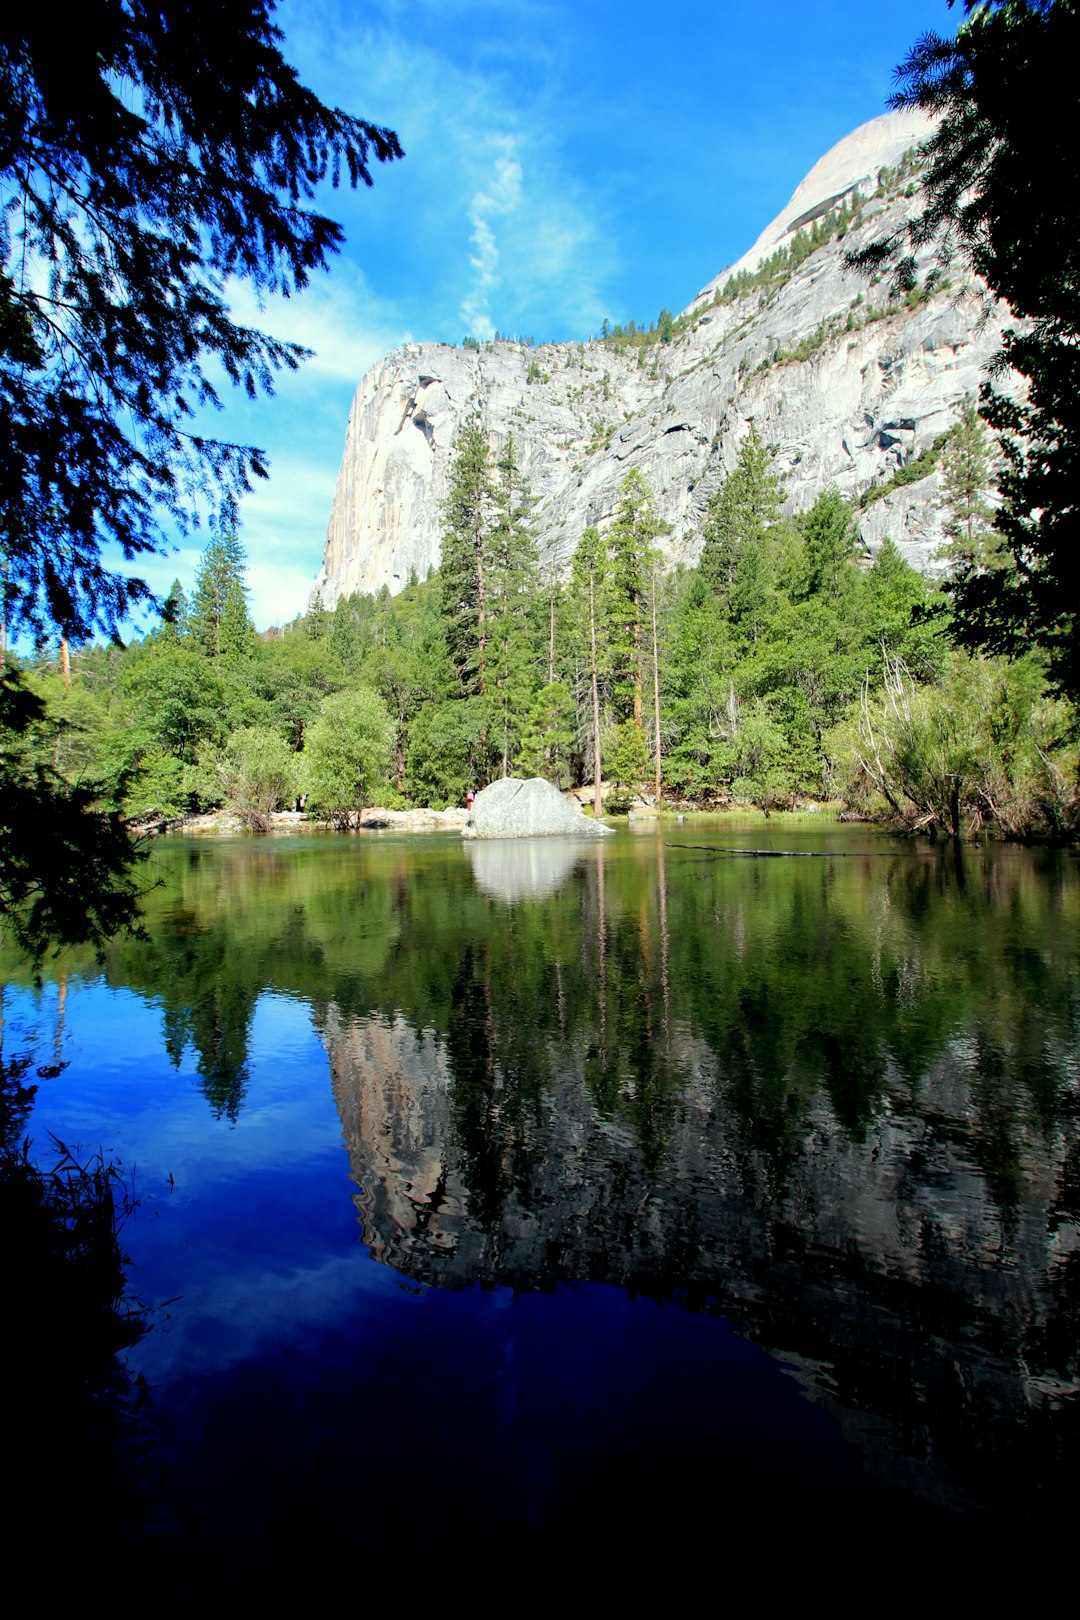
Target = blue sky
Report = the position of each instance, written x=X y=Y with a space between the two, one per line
x=564 y=162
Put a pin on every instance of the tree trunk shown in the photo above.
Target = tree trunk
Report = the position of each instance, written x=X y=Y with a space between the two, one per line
x=598 y=797
x=636 y=640
x=481 y=611
x=656 y=690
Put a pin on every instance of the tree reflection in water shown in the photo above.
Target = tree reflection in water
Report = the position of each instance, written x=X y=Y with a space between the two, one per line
x=832 y=1100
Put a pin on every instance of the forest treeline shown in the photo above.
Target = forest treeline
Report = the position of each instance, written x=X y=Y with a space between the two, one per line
x=784 y=667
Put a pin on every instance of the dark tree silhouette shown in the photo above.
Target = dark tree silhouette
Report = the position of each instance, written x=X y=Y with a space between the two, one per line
x=154 y=152
x=999 y=192
x=150 y=155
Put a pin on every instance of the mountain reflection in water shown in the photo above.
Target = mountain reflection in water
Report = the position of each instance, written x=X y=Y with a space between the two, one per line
x=831 y=1104
x=898 y=1225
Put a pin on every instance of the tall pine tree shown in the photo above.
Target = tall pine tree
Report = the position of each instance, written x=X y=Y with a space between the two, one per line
x=965 y=479
x=630 y=550
x=741 y=513
x=514 y=601
x=218 y=620
x=463 y=569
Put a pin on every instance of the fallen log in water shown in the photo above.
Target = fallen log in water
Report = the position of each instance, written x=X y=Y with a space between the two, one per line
x=794 y=854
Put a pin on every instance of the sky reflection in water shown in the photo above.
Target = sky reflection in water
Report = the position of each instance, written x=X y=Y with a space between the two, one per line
x=593 y=1116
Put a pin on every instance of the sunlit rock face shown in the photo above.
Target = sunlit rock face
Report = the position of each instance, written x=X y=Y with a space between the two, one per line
x=846 y=393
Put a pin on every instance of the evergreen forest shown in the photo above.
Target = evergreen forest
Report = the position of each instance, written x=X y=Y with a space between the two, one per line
x=785 y=669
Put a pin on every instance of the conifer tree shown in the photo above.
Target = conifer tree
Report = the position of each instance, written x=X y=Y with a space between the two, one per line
x=463 y=568
x=152 y=156
x=174 y=612
x=830 y=535
x=218 y=619
x=743 y=510
x=589 y=585
x=998 y=193
x=514 y=596
x=965 y=479
x=630 y=552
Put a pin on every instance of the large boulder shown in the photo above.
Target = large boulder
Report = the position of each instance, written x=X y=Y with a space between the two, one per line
x=512 y=808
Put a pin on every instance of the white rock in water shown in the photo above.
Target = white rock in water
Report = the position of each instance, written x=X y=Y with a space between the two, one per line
x=511 y=808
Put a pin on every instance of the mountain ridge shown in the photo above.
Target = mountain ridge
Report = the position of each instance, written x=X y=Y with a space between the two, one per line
x=849 y=385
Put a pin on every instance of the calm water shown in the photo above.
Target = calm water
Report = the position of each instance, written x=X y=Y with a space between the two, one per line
x=645 y=1187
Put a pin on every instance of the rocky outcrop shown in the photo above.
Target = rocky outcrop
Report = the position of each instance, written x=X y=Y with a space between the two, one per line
x=849 y=386
x=511 y=808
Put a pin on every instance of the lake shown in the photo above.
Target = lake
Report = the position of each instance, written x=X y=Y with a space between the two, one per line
x=619 y=1191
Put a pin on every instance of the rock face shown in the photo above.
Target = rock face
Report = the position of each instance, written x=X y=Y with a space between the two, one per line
x=848 y=385
x=511 y=808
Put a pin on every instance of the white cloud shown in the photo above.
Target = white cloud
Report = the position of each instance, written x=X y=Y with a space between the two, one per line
x=491 y=220
x=337 y=317
x=501 y=196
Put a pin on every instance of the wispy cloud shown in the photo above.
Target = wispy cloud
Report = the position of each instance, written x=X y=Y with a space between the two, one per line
x=486 y=223
x=501 y=196
x=339 y=319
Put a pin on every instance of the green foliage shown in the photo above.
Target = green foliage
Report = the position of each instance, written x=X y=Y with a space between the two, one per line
x=548 y=735
x=762 y=680
x=514 y=591
x=965 y=479
x=179 y=155
x=463 y=566
x=347 y=753
x=997 y=192
x=759 y=771
x=449 y=751
x=744 y=509
x=218 y=622
x=899 y=615
x=665 y=329
x=259 y=774
x=67 y=866
x=176 y=700
x=627 y=754
x=982 y=750
x=830 y=537
x=628 y=577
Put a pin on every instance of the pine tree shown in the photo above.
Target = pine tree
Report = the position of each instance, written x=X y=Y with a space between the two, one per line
x=998 y=191
x=743 y=510
x=830 y=536
x=174 y=612
x=514 y=601
x=463 y=568
x=218 y=619
x=155 y=155
x=630 y=552
x=317 y=619
x=589 y=587
x=548 y=734
x=965 y=478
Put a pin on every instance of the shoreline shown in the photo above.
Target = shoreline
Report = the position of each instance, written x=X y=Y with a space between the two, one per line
x=283 y=823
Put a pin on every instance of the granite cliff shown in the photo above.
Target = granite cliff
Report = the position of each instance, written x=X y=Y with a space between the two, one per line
x=848 y=383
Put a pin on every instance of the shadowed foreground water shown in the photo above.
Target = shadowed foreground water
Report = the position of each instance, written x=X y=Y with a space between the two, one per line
x=703 y=1190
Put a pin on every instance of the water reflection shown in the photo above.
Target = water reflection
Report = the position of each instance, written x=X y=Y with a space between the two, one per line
x=841 y=1106
x=886 y=1270
x=835 y=1099
x=524 y=869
